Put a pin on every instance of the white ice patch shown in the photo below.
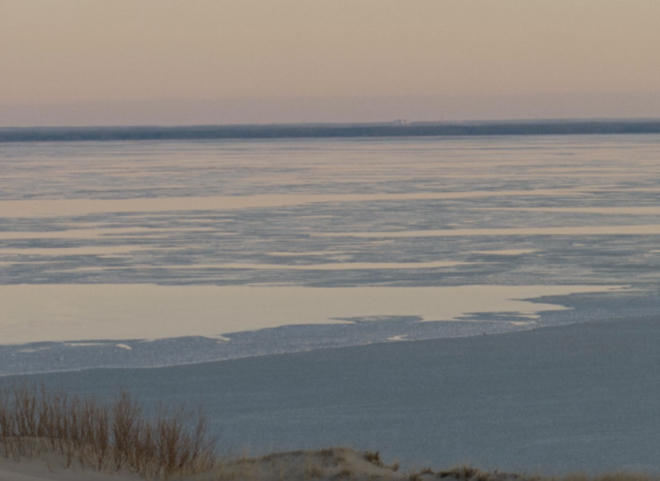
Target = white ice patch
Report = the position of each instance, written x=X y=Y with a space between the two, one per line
x=30 y=350
x=506 y=252
x=646 y=229
x=400 y=337
x=61 y=312
x=346 y=266
x=79 y=207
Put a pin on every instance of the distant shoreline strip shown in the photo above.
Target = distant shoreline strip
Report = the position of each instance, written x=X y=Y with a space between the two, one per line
x=247 y=132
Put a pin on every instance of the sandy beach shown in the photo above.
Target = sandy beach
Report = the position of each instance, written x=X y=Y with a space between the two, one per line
x=322 y=465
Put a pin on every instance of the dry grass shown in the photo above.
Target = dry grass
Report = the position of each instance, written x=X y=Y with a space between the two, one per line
x=622 y=476
x=373 y=457
x=465 y=472
x=37 y=422
x=117 y=436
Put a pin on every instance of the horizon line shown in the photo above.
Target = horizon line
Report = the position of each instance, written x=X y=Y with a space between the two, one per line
x=395 y=128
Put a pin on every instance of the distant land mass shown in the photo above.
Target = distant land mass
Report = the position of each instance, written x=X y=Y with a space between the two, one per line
x=275 y=131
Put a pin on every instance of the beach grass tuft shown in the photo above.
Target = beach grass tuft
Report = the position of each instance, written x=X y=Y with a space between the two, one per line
x=119 y=436
x=373 y=457
x=36 y=421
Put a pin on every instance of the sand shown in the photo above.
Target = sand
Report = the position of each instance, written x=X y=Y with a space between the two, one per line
x=330 y=464
x=321 y=465
x=40 y=470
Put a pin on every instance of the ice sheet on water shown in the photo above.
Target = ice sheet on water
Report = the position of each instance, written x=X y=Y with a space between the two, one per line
x=341 y=214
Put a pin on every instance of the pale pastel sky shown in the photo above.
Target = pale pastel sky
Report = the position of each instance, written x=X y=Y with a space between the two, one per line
x=100 y=62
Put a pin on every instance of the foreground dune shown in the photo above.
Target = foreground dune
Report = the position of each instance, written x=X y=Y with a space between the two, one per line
x=336 y=463
x=53 y=469
x=323 y=465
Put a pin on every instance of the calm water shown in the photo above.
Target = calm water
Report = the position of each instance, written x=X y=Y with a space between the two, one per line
x=162 y=253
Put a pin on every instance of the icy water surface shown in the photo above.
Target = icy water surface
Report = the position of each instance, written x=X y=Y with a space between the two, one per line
x=163 y=253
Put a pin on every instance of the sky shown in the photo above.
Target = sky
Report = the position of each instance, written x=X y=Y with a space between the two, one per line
x=172 y=62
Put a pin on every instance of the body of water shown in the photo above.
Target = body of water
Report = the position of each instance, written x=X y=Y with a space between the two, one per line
x=490 y=300
x=157 y=253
